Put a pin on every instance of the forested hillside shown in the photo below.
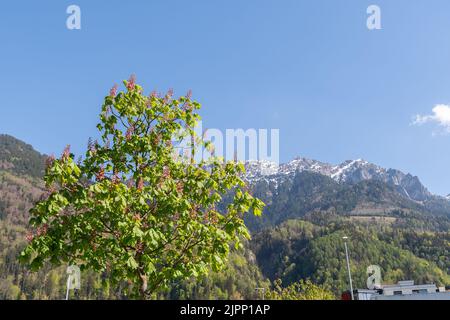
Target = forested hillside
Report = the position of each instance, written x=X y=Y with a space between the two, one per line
x=20 y=158
x=298 y=249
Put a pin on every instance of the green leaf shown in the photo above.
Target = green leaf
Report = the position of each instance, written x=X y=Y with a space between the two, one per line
x=257 y=212
x=131 y=262
x=137 y=232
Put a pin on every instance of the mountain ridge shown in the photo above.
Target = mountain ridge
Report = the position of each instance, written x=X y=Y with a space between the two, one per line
x=20 y=158
x=347 y=172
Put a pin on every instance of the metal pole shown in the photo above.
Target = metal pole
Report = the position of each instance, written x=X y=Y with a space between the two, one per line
x=348 y=268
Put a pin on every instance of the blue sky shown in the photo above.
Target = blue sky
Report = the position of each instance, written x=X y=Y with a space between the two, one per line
x=335 y=90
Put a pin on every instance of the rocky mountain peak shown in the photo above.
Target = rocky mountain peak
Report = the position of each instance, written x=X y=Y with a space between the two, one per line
x=350 y=171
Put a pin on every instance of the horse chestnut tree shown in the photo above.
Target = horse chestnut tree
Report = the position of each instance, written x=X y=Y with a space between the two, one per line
x=137 y=208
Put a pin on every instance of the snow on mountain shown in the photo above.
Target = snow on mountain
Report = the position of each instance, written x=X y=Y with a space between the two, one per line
x=351 y=171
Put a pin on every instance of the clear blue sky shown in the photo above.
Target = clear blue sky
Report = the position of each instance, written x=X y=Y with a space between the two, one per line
x=335 y=90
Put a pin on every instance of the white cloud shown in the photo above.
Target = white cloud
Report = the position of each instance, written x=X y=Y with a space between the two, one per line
x=440 y=116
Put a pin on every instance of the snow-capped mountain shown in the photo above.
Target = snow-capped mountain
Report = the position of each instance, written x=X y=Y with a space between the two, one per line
x=351 y=171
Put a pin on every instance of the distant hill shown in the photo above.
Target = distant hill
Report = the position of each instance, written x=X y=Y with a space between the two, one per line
x=21 y=170
x=20 y=158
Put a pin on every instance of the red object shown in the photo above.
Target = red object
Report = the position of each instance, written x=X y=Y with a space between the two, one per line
x=346 y=296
